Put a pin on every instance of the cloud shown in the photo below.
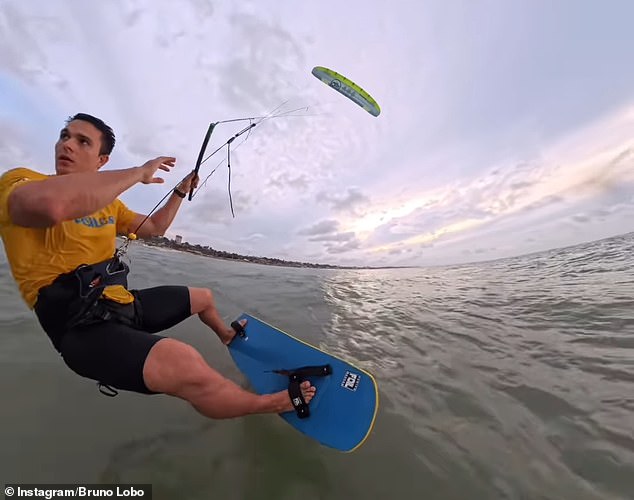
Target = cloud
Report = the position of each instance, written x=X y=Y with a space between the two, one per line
x=262 y=65
x=26 y=59
x=212 y=206
x=299 y=182
x=352 y=244
x=447 y=168
x=350 y=201
x=536 y=188
x=320 y=228
x=13 y=149
x=580 y=218
x=345 y=237
x=253 y=237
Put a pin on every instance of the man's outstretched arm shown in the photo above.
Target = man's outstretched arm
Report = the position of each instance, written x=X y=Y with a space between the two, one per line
x=158 y=223
x=65 y=197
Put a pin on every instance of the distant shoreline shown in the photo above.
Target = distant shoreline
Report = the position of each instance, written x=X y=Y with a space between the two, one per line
x=206 y=251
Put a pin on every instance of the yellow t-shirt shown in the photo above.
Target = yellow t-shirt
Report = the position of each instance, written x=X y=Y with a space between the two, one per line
x=37 y=256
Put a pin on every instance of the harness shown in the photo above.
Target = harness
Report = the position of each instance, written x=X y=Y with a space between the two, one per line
x=73 y=299
x=92 y=279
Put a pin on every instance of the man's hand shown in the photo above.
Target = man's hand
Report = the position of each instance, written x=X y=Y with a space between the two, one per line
x=160 y=221
x=190 y=181
x=149 y=168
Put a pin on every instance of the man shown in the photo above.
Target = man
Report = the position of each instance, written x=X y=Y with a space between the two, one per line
x=59 y=233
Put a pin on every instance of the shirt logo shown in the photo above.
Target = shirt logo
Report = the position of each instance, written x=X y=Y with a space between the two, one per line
x=96 y=222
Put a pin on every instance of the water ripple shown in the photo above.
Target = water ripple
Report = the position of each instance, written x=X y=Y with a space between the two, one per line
x=508 y=379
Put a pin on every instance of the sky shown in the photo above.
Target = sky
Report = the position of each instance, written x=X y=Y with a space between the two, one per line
x=506 y=128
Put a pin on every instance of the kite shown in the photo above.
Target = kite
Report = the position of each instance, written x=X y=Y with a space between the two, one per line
x=331 y=78
x=348 y=88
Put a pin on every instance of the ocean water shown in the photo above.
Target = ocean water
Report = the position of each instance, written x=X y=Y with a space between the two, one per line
x=511 y=379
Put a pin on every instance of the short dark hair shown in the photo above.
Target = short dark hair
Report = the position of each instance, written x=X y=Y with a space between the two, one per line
x=108 y=140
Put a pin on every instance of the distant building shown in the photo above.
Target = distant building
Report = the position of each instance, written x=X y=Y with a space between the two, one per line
x=179 y=239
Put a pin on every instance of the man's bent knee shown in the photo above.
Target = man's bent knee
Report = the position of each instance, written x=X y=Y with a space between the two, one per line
x=173 y=367
x=200 y=299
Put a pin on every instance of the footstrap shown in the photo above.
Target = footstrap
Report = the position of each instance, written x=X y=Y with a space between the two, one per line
x=295 y=392
x=296 y=377
x=239 y=329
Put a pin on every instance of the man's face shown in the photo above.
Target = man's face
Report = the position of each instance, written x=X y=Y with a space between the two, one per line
x=77 y=149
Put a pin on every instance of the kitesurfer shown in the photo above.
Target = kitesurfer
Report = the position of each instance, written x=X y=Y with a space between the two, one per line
x=59 y=233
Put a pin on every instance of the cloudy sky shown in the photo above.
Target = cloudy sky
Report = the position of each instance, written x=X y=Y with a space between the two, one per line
x=507 y=127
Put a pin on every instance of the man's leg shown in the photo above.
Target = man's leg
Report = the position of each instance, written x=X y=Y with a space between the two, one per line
x=202 y=303
x=167 y=305
x=175 y=368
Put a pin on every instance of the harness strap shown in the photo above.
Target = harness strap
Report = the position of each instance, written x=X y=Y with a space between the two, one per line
x=92 y=279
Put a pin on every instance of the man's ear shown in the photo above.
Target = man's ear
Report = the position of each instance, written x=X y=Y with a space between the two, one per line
x=103 y=159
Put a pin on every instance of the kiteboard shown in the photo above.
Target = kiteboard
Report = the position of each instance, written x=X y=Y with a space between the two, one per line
x=343 y=411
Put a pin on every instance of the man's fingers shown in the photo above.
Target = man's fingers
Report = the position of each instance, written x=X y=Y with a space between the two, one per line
x=166 y=161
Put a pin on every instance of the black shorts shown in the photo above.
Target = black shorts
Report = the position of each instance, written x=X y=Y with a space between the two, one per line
x=114 y=352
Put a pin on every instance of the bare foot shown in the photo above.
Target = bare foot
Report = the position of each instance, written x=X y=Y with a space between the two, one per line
x=229 y=333
x=308 y=392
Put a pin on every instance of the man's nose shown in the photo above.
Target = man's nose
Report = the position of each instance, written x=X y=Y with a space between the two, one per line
x=68 y=144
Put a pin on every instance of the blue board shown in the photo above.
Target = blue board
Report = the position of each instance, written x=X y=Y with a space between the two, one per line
x=343 y=410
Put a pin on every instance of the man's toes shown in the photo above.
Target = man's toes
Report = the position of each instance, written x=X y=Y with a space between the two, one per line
x=308 y=391
x=235 y=329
